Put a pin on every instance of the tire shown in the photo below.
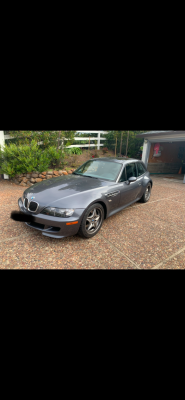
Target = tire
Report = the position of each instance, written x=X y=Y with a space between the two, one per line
x=146 y=196
x=93 y=215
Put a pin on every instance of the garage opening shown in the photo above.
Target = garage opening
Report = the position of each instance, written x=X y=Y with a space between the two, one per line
x=167 y=159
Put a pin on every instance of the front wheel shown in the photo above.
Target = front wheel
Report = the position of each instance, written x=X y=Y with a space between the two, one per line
x=147 y=194
x=92 y=221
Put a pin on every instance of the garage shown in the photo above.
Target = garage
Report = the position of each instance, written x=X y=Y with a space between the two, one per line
x=164 y=153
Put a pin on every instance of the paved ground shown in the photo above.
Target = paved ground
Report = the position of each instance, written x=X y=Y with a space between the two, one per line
x=143 y=236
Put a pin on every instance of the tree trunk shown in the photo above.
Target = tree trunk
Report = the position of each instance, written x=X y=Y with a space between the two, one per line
x=116 y=146
x=59 y=134
x=121 y=142
x=127 y=143
x=62 y=145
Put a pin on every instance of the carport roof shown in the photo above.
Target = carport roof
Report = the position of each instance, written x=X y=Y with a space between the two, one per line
x=158 y=133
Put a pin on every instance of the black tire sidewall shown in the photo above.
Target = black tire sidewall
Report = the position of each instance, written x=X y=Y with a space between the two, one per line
x=82 y=231
x=143 y=198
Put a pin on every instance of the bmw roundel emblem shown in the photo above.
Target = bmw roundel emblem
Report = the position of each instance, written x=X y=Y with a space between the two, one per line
x=32 y=198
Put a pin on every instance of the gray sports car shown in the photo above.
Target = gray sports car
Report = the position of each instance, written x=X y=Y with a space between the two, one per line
x=79 y=203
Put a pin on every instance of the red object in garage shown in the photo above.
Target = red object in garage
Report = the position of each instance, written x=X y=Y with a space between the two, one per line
x=156 y=147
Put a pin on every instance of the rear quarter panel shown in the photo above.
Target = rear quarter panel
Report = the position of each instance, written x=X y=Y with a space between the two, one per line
x=145 y=181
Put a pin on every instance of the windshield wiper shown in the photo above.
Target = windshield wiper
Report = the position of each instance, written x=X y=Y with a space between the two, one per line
x=79 y=174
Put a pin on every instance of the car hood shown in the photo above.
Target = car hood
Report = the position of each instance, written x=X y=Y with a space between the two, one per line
x=62 y=189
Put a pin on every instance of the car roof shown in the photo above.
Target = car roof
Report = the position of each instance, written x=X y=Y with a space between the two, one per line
x=120 y=160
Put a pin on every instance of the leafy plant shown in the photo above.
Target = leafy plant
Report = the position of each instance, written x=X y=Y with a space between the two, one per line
x=54 y=156
x=68 y=152
x=77 y=150
x=73 y=150
x=23 y=158
x=48 y=138
x=105 y=150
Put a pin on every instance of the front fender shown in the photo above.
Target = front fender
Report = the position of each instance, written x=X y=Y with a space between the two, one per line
x=79 y=200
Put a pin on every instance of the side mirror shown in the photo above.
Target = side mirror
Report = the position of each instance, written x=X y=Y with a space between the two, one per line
x=132 y=179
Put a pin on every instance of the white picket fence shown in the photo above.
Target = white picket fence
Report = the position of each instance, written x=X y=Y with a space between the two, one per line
x=98 y=138
x=89 y=138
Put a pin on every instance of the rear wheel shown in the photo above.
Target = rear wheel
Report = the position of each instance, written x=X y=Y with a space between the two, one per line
x=92 y=221
x=147 y=194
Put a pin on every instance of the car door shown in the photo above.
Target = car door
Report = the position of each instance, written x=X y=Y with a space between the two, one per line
x=129 y=192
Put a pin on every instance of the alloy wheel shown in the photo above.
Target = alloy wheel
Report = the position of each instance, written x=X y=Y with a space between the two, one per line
x=93 y=220
x=148 y=193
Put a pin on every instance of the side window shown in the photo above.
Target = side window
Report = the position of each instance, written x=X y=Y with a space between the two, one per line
x=131 y=170
x=141 y=169
x=123 y=176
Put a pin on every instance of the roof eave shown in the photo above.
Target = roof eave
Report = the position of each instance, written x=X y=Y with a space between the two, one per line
x=157 y=133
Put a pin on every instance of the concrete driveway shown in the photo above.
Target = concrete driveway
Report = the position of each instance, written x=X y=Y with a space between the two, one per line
x=143 y=236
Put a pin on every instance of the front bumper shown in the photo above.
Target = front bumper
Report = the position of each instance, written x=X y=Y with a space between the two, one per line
x=53 y=226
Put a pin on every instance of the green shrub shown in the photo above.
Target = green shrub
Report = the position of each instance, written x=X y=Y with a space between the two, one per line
x=77 y=150
x=54 y=156
x=1 y=156
x=73 y=150
x=68 y=152
x=28 y=158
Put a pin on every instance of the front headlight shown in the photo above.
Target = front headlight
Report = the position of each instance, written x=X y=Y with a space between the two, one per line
x=58 y=212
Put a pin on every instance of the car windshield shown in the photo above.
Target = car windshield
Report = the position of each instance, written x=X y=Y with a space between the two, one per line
x=107 y=170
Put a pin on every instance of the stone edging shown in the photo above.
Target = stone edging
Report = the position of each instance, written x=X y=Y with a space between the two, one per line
x=35 y=177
